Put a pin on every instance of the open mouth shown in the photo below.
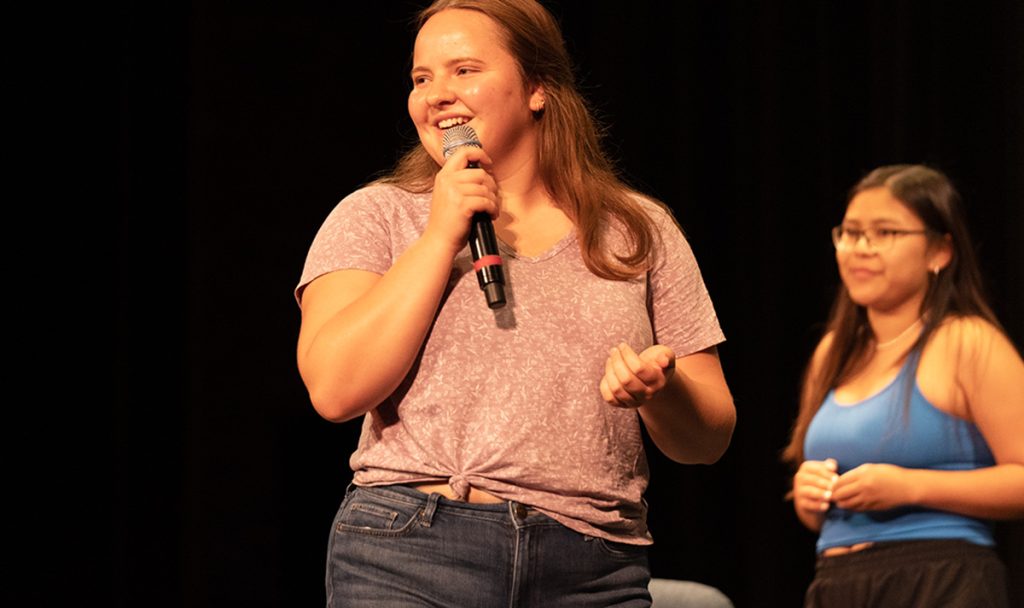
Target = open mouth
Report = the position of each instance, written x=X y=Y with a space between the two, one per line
x=448 y=123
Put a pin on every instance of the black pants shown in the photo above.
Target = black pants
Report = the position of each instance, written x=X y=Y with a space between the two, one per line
x=917 y=574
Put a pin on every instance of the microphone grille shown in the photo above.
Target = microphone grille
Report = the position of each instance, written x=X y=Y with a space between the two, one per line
x=458 y=136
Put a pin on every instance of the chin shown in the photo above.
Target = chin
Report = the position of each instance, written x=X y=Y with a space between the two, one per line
x=862 y=297
x=434 y=154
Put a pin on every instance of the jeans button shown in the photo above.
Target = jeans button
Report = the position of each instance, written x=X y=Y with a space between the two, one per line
x=520 y=511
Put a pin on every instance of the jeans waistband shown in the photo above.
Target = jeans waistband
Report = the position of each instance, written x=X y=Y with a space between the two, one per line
x=433 y=502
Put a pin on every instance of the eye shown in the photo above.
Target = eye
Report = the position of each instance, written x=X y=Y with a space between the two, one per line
x=419 y=79
x=464 y=70
x=885 y=232
x=853 y=234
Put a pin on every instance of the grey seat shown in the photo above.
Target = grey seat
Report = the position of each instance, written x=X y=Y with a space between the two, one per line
x=671 y=593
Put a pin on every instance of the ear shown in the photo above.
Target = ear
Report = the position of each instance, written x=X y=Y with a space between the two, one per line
x=941 y=254
x=537 y=99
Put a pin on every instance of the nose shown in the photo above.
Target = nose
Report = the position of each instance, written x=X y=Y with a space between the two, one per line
x=439 y=92
x=867 y=248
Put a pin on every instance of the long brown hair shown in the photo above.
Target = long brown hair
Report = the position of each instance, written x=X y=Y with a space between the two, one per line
x=573 y=166
x=954 y=292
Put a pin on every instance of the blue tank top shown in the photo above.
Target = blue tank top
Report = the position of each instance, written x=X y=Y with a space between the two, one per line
x=880 y=429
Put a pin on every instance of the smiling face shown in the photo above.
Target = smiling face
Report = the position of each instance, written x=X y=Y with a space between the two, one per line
x=462 y=74
x=897 y=278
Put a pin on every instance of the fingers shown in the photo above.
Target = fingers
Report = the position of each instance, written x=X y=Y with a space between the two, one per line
x=631 y=379
x=850 y=487
x=620 y=387
x=814 y=483
x=662 y=356
x=469 y=182
x=460 y=192
x=870 y=486
x=850 y=478
x=471 y=194
x=627 y=361
x=463 y=156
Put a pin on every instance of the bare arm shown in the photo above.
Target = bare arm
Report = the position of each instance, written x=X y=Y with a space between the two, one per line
x=814 y=480
x=361 y=331
x=685 y=403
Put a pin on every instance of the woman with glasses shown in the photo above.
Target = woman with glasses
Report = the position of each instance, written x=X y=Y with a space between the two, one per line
x=910 y=435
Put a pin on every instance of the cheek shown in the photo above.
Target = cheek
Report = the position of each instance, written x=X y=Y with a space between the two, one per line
x=910 y=266
x=914 y=277
x=414 y=105
x=840 y=262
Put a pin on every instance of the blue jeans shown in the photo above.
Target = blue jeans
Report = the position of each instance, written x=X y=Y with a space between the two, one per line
x=395 y=546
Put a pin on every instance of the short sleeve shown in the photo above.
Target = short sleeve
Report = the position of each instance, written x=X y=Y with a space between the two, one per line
x=355 y=236
x=682 y=314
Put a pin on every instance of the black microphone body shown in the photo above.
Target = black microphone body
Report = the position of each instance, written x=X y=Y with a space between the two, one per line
x=483 y=244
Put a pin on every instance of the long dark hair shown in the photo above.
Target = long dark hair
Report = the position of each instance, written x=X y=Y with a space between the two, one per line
x=573 y=166
x=956 y=291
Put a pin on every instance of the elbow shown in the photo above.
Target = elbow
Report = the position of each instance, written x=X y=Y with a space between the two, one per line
x=333 y=400
x=335 y=406
x=721 y=437
x=709 y=451
x=713 y=452
x=716 y=441
x=719 y=425
x=713 y=456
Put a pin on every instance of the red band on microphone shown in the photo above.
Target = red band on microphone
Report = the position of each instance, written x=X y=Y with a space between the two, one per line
x=487 y=260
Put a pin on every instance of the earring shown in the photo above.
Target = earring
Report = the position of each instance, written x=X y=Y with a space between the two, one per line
x=935 y=270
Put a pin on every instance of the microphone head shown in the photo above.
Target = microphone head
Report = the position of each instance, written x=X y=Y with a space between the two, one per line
x=458 y=136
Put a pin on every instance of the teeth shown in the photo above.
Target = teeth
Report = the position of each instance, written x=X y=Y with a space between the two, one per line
x=451 y=122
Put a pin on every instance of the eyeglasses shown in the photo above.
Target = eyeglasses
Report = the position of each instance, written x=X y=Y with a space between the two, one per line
x=875 y=239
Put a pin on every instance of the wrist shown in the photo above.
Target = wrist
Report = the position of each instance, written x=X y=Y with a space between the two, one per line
x=914 y=488
x=433 y=244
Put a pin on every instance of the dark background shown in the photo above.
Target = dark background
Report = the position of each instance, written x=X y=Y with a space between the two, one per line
x=192 y=151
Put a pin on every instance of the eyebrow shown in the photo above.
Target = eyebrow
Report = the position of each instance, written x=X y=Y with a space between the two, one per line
x=447 y=64
x=874 y=222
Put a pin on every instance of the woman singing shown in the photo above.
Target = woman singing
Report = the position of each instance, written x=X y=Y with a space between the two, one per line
x=501 y=457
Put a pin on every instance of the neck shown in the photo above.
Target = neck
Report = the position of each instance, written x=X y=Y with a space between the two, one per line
x=903 y=336
x=521 y=188
x=516 y=170
x=897 y=327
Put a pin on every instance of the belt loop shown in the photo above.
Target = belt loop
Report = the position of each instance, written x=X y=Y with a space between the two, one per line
x=427 y=517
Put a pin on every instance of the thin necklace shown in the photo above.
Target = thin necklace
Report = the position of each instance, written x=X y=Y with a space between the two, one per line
x=889 y=343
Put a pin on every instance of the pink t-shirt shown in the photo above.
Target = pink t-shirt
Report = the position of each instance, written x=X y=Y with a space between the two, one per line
x=507 y=400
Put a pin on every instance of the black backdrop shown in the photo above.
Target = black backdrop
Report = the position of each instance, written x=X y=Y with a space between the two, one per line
x=240 y=124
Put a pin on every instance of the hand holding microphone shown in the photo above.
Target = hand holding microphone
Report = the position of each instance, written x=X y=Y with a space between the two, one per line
x=483 y=244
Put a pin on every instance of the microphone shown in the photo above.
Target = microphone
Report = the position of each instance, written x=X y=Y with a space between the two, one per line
x=482 y=242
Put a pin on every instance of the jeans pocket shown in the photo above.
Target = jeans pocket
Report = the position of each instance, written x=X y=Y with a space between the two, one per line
x=621 y=551
x=365 y=513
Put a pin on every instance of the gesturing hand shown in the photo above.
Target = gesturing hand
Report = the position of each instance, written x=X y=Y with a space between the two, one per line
x=630 y=379
x=872 y=487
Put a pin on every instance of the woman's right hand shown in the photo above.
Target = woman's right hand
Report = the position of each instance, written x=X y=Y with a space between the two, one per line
x=812 y=490
x=459 y=192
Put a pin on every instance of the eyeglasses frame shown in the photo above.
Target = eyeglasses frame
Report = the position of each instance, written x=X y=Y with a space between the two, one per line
x=872 y=246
